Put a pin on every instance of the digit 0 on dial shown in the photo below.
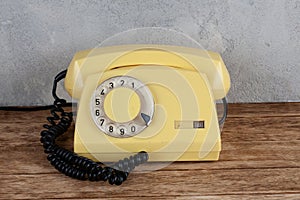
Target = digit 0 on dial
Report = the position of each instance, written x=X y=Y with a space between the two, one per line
x=109 y=123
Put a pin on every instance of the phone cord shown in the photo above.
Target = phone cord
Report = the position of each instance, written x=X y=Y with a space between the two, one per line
x=70 y=163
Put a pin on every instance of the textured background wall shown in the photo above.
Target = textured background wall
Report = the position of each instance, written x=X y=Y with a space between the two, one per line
x=259 y=41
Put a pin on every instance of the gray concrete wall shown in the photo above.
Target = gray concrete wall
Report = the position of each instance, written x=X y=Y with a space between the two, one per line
x=258 y=40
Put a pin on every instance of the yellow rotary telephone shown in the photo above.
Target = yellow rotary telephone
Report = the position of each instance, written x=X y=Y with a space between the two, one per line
x=153 y=98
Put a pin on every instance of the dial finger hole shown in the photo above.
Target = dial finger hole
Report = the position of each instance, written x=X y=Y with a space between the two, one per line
x=98 y=112
x=98 y=101
x=132 y=128
x=111 y=128
x=122 y=130
x=102 y=121
x=111 y=85
x=102 y=91
x=122 y=82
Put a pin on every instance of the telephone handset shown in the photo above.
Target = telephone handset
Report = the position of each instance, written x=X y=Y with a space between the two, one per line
x=137 y=99
x=159 y=99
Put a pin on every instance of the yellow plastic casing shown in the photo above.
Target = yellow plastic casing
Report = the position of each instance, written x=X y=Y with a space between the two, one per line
x=184 y=83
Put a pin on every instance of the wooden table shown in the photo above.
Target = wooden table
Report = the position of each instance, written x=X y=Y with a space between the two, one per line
x=260 y=160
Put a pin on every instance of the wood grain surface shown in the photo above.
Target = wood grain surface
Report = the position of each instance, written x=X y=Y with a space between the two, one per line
x=260 y=160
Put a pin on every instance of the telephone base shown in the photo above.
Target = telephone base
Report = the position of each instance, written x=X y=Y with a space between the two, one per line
x=212 y=155
x=156 y=157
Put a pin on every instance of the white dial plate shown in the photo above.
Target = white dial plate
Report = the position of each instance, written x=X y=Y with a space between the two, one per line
x=122 y=129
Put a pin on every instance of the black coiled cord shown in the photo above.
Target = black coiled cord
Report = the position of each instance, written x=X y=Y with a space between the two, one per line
x=73 y=165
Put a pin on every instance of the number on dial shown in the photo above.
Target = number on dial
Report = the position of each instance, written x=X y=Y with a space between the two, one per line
x=102 y=92
x=97 y=102
x=111 y=85
x=122 y=131
x=101 y=122
x=133 y=129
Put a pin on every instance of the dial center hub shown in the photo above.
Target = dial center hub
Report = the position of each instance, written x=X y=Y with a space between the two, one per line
x=122 y=104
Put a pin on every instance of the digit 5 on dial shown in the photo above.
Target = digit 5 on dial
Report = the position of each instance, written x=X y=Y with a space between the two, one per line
x=159 y=99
